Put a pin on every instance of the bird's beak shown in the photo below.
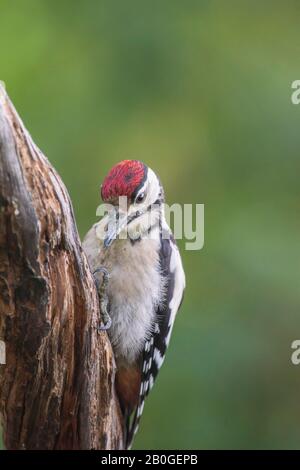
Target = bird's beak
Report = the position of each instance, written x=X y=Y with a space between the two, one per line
x=117 y=221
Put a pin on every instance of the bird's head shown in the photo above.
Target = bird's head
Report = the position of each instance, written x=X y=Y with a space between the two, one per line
x=134 y=195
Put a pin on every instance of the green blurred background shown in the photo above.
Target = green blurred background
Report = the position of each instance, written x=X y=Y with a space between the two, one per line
x=200 y=91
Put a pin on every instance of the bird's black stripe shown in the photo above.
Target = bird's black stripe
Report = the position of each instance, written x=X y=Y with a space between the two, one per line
x=134 y=194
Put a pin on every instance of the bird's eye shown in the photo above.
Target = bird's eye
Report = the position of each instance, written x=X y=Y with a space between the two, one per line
x=140 y=198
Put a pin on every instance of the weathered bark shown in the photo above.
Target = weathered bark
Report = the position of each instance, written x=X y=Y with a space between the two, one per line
x=57 y=387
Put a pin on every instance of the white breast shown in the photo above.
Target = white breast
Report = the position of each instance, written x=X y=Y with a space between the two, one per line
x=135 y=289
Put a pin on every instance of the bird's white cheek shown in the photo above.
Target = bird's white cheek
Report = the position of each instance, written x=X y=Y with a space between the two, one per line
x=141 y=225
x=135 y=229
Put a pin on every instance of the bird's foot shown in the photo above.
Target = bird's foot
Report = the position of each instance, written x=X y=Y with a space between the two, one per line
x=105 y=322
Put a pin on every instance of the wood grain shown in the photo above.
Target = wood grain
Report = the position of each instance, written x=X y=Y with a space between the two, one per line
x=57 y=387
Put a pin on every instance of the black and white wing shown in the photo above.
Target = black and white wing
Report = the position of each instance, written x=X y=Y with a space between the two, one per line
x=155 y=348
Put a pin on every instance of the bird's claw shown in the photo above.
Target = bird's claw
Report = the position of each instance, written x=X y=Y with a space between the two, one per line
x=106 y=276
x=106 y=324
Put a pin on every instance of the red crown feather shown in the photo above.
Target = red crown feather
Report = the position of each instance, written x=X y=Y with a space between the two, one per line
x=123 y=180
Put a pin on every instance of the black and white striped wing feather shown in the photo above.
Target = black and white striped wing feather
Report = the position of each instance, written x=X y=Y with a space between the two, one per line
x=155 y=348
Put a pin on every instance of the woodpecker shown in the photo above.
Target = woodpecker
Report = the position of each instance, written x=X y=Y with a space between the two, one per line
x=143 y=281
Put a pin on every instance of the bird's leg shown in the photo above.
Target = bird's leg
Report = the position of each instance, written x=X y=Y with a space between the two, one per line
x=103 y=298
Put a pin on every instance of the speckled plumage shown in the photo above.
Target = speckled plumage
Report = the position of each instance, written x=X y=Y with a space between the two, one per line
x=145 y=288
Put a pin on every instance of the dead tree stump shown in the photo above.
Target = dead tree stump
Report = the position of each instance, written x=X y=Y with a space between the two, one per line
x=57 y=386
